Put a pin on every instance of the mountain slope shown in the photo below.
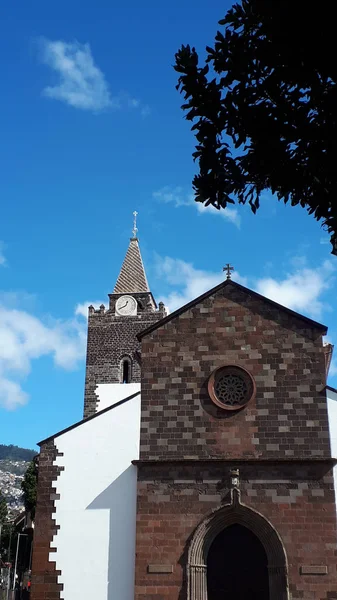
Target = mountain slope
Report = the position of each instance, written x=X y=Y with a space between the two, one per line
x=16 y=453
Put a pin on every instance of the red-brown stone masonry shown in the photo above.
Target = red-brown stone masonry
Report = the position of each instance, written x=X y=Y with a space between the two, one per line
x=297 y=500
x=45 y=584
x=288 y=417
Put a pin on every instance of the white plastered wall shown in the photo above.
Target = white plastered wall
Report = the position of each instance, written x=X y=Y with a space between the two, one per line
x=110 y=393
x=332 y=412
x=96 y=512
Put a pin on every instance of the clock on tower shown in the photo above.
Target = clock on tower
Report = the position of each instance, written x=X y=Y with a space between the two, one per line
x=126 y=306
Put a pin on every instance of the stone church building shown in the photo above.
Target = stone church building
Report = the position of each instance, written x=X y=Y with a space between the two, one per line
x=202 y=469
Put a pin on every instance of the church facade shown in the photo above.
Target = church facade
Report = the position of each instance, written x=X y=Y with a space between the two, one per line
x=202 y=469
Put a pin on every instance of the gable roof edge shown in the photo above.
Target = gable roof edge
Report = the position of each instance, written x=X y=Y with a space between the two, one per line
x=223 y=284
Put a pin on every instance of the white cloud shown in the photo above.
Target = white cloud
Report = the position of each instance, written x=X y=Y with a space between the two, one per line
x=3 y=260
x=301 y=290
x=25 y=338
x=230 y=214
x=178 y=198
x=174 y=195
x=81 y=83
x=191 y=282
x=82 y=309
x=11 y=394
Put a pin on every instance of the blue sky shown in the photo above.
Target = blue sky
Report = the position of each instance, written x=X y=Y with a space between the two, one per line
x=91 y=130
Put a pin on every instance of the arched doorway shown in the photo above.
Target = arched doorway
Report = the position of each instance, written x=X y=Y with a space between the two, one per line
x=255 y=533
x=237 y=566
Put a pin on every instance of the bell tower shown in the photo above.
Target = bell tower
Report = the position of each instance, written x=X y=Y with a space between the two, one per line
x=113 y=351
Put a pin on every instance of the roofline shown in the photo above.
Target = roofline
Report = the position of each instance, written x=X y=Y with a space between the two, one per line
x=189 y=305
x=98 y=414
x=332 y=389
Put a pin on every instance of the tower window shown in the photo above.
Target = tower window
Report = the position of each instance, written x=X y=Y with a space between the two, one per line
x=126 y=370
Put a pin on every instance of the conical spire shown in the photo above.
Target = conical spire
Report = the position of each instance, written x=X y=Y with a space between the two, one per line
x=132 y=276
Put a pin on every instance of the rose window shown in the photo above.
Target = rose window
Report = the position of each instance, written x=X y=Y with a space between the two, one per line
x=231 y=387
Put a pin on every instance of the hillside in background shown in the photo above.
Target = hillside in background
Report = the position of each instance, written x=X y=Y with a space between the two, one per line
x=13 y=465
x=16 y=453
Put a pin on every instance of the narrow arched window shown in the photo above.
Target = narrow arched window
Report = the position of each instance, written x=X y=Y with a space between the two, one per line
x=125 y=370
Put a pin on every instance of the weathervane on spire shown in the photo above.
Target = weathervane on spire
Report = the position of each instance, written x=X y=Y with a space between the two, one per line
x=135 y=230
x=228 y=268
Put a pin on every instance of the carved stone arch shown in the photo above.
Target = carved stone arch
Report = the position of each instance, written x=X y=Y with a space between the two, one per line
x=207 y=531
x=125 y=367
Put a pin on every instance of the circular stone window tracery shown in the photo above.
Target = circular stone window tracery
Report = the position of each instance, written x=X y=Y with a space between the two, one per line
x=231 y=387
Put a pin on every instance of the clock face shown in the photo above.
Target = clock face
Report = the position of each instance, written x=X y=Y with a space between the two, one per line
x=126 y=305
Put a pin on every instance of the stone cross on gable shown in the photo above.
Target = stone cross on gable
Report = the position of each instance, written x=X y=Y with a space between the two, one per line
x=228 y=268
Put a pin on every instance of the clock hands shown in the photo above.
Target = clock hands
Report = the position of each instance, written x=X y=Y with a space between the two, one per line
x=127 y=304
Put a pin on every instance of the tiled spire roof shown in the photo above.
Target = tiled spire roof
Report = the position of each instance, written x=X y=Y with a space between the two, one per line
x=132 y=276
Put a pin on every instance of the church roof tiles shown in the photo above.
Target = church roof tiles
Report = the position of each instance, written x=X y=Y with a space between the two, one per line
x=132 y=277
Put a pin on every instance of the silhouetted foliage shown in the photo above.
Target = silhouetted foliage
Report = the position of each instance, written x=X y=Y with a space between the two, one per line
x=29 y=488
x=264 y=108
x=3 y=509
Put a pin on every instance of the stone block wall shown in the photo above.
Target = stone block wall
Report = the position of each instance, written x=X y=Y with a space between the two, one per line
x=298 y=501
x=287 y=418
x=110 y=338
x=45 y=584
x=279 y=442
